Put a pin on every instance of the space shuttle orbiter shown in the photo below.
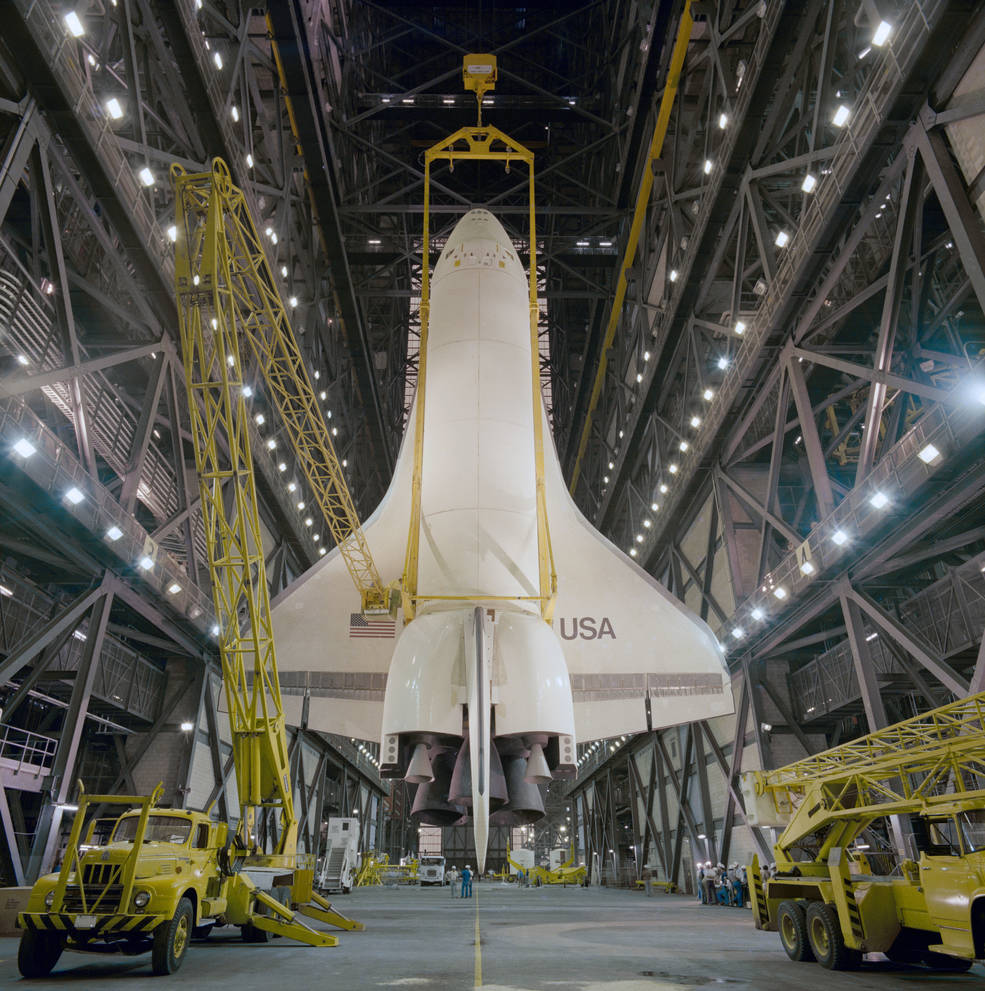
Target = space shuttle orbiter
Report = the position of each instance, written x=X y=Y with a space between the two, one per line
x=477 y=699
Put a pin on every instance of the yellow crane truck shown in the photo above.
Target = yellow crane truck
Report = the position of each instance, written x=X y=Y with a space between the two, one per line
x=829 y=896
x=564 y=873
x=165 y=875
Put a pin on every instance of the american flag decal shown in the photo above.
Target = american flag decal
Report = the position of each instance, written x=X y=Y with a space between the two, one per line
x=364 y=627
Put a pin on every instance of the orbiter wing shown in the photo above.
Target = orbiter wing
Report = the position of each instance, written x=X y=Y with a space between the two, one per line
x=628 y=642
x=626 y=639
x=324 y=646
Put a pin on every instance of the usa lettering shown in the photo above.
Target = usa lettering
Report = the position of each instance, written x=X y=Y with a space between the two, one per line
x=586 y=628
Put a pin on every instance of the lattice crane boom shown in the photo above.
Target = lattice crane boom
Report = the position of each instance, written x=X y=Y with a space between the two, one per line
x=209 y=321
x=261 y=319
x=933 y=761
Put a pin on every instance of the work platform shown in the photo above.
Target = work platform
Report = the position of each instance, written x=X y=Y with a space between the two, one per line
x=590 y=939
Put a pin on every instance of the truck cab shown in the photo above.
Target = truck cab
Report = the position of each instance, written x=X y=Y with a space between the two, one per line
x=151 y=880
x=952 y=875
x=431 y=870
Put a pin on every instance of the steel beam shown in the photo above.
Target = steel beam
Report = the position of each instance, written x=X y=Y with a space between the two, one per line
x=142 y=438
x=24 y=384
x=962 y=218
x=41 y=178
x=910 y=203
x=61 y=781
x=940 y=669
x=288 y=24
x=820 y=479
x=13 y=847
x=55 y=629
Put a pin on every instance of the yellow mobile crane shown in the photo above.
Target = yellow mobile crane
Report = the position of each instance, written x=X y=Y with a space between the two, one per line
x=166 y=875
x=825 y=897
x=564 y=874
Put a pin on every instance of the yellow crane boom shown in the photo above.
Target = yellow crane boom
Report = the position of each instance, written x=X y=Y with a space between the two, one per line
x=209 y=318
x=224 y=291
x=258 y=315
x=932 y=761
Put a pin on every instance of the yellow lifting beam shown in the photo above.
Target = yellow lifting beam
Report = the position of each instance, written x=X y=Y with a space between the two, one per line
x=479 y=143
x=639 y=216
x=256 y=312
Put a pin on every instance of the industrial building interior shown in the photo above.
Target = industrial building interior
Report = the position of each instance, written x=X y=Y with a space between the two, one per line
x=758 y=285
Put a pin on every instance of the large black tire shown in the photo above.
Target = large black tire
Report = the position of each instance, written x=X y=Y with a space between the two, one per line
x=827 y=942
x=39 y=952
x=253 y=934
x=171 y=939
x=791 y=922
x=945 y=963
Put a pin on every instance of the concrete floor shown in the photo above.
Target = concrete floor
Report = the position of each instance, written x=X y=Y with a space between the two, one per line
x=585 y=939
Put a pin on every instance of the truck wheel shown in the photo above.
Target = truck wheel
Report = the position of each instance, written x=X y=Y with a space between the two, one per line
x=39 y=952
x=254 y=934
x=171 y=939
x=945 y=963
x=791 y=922
x=827 y=942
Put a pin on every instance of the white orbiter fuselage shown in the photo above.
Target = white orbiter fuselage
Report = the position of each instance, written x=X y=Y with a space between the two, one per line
x=477 y=699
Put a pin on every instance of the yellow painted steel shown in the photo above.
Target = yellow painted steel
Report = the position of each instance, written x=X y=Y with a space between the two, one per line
x=254 y=310
x=930 y=767
x=479 y=144
x=932 y=763
x=214 y=307
x=124 y=873
x=927 y=762
x=479 y=74
x=375 y=868
x=563 y=874
x=639 y=216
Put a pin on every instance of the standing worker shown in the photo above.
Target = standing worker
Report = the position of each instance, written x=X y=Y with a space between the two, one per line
x=742 y=884
x=467 y=882
x=709 y=884
x=451 y=877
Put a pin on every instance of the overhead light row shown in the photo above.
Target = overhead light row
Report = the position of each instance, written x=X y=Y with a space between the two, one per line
x=929 y=454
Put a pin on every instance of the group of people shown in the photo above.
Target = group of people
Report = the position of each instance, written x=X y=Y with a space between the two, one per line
x=721 y=885
x=452 y=877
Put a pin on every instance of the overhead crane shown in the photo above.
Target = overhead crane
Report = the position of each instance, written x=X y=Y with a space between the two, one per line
x=829 y=897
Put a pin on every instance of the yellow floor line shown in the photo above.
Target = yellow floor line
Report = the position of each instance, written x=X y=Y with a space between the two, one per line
x=478 y=947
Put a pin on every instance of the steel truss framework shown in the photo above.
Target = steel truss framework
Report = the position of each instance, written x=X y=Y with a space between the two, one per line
x=771 y=390
x=868 y=314
x=89 y=372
